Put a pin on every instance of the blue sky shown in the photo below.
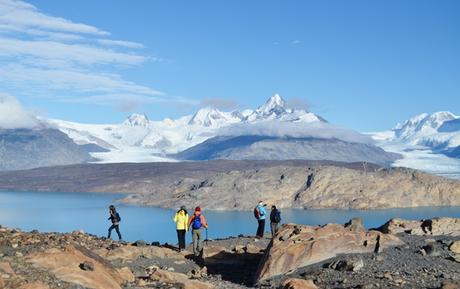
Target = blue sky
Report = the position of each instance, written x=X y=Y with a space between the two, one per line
x=365 y=65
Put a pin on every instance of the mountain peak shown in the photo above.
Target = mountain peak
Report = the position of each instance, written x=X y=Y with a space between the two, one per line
x=423 y=123
x=275 y=104
x=206 y=116
x=137 y=119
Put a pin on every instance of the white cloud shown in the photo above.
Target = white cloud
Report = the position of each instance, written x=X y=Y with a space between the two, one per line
x=79 y=54
x=121 y=43
x=71 y=80
x=13 y=115
x=58 y=59
x=295 y=42
x=22 y=15
x=296 y=130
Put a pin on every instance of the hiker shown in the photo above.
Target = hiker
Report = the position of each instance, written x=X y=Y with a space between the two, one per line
x=181 y=220
x=259 y=214
x=115 y=218
x=197 y=221
x=275 y=219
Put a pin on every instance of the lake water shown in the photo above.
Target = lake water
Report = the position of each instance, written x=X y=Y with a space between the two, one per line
x=65 y=212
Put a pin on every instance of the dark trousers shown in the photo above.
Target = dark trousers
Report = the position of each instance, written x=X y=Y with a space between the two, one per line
x=117 y=229
x=260 y=228
x=181 y=239
x=274 y=228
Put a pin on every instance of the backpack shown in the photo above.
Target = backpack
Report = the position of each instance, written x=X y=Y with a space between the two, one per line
x=196 y=223
x=256 y=213
x=277 y=216
x=118 y=218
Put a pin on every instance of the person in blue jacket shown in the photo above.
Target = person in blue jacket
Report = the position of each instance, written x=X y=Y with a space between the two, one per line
x=259 y=214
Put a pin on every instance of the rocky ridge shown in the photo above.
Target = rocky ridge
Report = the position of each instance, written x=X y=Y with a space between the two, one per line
x=330 y=256
x=238 y=185
x=312 y=187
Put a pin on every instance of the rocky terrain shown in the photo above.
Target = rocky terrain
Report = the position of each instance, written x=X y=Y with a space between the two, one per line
x=238 y=185
x=423 y=254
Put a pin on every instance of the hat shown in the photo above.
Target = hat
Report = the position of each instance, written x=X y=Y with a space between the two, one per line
x=182 y=208
x=198 y=209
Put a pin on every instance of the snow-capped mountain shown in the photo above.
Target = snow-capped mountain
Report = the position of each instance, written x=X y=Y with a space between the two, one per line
x=148 y=140
x=212 y=117
x=439 y=130
x=429 y=142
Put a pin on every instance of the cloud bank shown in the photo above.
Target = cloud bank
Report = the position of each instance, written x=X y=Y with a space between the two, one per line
x=13 y=115
x=279 y=129
x=55 y=58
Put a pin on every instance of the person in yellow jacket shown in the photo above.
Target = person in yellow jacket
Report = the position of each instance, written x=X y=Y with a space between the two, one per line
x=181 y=220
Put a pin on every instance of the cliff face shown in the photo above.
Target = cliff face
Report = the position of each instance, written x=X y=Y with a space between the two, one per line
x=305 y=187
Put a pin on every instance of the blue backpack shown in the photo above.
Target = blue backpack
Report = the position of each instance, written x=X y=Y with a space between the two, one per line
x=196 y=224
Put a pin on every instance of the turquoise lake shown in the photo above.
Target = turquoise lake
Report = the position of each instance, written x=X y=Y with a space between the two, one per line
x=65 y=212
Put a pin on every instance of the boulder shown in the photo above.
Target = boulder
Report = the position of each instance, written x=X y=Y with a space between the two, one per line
x=347 y=265
x=181 y=279
x=215 y=252
x=455 y=247
x=435 y=227
x=298 y=284
x=296 y=246
x=65 y=265
x=126 y=274
x=251 y=249
x=355 y=224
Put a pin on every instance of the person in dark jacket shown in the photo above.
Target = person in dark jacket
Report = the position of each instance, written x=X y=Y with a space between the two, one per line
x=275 y=219
x=115 y=218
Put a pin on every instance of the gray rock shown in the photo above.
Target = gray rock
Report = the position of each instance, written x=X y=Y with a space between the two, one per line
x=87 y=266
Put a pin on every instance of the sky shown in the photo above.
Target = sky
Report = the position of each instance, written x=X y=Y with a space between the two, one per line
x=365 y=65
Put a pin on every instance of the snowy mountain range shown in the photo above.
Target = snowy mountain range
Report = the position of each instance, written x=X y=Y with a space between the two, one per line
x=430 y=142
x=141 y=139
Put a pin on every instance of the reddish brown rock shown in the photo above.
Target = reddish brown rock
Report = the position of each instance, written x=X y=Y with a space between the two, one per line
x=65 y=265
x=178 y=278
x=298 y=284
x=296 y=246
x=435 y=227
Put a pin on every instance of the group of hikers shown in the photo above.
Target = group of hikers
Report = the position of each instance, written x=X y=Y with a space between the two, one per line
x=197 y=222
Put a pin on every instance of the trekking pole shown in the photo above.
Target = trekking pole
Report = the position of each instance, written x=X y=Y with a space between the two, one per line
x=206 y=236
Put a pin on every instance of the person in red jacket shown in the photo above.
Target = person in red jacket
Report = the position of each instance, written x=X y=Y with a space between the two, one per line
x=197 y=221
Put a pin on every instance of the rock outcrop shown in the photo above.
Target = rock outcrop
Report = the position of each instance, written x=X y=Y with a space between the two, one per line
x=296 y=246
x=67 y=264
x=238 y=185
x=434 y=227
x=294 y=283
x=307 y=187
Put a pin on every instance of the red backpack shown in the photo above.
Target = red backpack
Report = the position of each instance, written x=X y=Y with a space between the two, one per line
x=256 y=213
